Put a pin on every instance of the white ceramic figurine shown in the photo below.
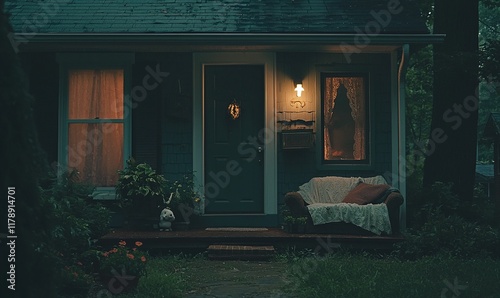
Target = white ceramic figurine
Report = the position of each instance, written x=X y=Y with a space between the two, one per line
x=166 y=219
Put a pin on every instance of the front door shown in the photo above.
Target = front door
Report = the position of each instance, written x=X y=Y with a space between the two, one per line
x=234 y=118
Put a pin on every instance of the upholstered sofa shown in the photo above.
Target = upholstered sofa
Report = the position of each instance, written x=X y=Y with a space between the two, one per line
x=347 y=205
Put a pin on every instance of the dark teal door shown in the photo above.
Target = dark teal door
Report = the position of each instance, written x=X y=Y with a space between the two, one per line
x=234 y=164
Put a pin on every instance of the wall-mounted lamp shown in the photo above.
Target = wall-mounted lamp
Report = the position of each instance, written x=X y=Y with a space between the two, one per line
x=299 y=89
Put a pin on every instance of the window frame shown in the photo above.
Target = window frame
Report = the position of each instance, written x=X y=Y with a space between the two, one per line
x=339 y=71
x=94 y=61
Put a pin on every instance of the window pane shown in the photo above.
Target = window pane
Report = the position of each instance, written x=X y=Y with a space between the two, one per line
x=95 y=94
x=344 y=118
x=96 y=151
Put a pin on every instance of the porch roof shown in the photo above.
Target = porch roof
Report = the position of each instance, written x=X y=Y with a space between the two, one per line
x=53 y=17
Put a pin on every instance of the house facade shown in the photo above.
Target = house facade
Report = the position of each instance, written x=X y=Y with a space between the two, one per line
x=254 y=97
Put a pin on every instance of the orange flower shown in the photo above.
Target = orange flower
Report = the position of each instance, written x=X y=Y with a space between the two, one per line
x=114 y=250
x=122 y=243
x=105 y=254
x=143 y=258
x=134 y=249
x=130 y=256
x=138 y=243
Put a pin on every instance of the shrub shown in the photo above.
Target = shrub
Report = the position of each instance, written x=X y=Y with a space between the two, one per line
x=72 y=222
x=75 y=282
x=74 y=219
x=140 y=180
x=450 y=235
x=445 y=225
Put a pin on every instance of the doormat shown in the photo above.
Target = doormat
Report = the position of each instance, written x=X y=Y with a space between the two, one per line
x=236 y=229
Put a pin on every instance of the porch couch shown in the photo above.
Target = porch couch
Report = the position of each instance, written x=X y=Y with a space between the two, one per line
x=347 y=205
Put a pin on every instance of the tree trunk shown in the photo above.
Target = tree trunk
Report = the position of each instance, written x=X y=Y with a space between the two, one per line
x=451 y=151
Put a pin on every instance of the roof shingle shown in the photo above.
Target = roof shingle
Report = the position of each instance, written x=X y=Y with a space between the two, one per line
x=208 y=16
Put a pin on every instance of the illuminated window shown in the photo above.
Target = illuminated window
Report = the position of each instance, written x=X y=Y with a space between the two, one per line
x=345 y=118
x=95 y=124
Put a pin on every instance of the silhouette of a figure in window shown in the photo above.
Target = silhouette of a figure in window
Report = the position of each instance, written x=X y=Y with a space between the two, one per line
x=342 y=127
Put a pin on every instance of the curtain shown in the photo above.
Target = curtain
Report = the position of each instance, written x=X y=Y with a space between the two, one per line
x=95 y=94
x=95 y=129
x=356 y=94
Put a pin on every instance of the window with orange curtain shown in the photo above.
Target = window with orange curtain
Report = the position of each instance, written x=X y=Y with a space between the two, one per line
x=345 y=118
x=96 y=124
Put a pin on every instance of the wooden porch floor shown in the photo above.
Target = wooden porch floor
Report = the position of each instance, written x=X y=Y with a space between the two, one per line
x=200 y=239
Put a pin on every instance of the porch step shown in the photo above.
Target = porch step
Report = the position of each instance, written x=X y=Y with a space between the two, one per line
x=240 y=252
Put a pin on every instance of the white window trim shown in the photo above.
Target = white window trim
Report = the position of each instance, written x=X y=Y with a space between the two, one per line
x=69 y=61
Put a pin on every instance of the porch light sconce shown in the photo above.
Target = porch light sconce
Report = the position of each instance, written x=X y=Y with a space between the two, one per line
x=299 y=89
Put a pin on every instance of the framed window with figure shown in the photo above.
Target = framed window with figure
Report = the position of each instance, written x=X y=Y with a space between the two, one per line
x=345 y=119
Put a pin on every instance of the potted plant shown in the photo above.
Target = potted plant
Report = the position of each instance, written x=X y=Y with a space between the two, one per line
x=182 y=200
x=142 y=192
x=300 y=223
x=295 y=224
x=122 y=267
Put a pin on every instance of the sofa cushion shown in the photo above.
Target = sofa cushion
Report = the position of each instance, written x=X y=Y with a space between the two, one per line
x=365 y=193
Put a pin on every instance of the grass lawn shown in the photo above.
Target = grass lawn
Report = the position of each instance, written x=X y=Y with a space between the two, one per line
x=338 y=275
x=364 y=276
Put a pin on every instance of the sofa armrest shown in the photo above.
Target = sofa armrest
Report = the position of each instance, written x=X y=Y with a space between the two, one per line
x=296 y=204
x=394 y=201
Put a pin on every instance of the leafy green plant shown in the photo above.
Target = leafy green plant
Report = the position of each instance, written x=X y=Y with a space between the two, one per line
x=438 y=199
x=183 y=197
x=140 y=181
x=295 y=220
x=73 y=222
x=447 y=226
x=75 y=282
x=74 y=219
x=450 y=235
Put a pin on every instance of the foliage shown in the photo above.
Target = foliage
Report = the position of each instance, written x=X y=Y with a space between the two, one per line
x=445 y=225
x=75 y=282
x=439 y=199
x=450 y=235
x=160 y=282
x=74 y=220
x=184 y=200
x=349 y=275
x=140 y=181
x=295 y=220
x=419 y=97
x=489 y=34
x=124 y=260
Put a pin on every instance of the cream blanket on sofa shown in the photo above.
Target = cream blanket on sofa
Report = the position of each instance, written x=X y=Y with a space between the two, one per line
x=325 y=194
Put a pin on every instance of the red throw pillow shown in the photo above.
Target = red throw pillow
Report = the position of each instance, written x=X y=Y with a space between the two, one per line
x=365 y=193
